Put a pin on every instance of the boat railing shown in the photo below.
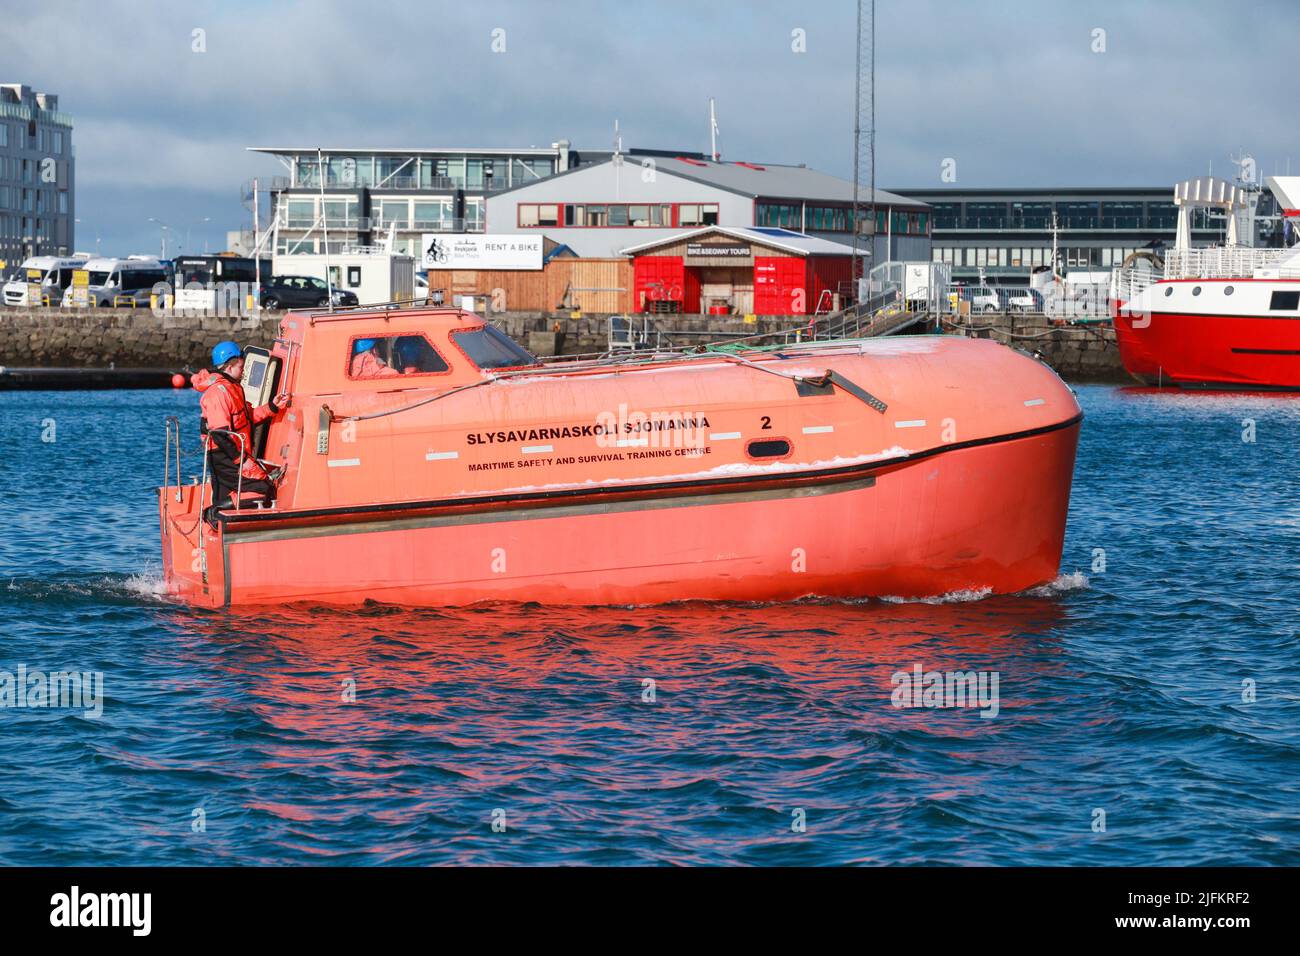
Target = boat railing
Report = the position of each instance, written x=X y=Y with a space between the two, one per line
x=1127 y=284
x=204 y=485
x=1221 y=262
x=172 y=425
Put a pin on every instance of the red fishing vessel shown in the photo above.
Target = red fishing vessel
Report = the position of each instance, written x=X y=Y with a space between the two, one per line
x=471 y=472
x=1223 y=317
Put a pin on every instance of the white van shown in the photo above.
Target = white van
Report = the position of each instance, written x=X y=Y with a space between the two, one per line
x=128 y=281
x=55 y=277
x=981 y=298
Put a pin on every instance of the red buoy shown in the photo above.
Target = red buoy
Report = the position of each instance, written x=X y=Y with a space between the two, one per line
x=178 y=380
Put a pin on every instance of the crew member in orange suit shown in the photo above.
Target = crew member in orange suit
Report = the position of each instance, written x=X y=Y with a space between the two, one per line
x=226 y=414
x=366 y=364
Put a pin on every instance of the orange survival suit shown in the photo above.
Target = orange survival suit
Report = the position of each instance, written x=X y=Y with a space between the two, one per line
x=369 y=365
x=233 y=466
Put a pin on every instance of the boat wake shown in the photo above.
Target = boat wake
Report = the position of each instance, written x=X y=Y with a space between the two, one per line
x=148 y=583
x=143 y=587
x=952 y=597
x=1061 y=584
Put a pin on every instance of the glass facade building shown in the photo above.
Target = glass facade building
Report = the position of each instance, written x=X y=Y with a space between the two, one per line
x=37 y=175
x=1006 y=233
x=370 y=193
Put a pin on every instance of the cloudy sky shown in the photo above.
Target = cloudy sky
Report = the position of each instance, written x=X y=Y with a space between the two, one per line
x=1017 y=93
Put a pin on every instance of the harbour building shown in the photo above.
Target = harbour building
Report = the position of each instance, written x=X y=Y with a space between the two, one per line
x=358 y=196
x=595 y=202
x=1004 y=234
x=37 y=175
x=602 y=208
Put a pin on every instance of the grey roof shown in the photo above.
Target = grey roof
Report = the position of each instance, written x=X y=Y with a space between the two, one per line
x=755 y=180
x=413 y=151
x=774 y=181
x=796 y=242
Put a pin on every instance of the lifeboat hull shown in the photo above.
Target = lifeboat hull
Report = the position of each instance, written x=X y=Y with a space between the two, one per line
x=909 y=467
x=987 y=517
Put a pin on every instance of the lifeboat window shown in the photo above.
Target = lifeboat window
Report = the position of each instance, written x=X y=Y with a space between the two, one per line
x=768 y=448
x=488 y=348
x=393 y=355
x=1227 y=290
x=1196 y=291
x=1285 y=300
x=1169 y=290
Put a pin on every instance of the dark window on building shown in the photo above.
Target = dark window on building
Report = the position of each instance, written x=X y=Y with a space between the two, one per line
x=1285 y=301
x=488 y=348
x=698 y=214
x=947 y=215
x=1031 y=215
x=1079 y=215
x=1122 y=215
x=986 y=215
x=539 y=214
x=1162 y=215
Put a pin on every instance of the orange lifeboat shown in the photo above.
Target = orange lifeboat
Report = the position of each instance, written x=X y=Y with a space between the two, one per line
x=450 y=467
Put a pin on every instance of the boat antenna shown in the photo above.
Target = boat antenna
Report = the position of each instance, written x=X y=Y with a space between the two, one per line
x=325 y=224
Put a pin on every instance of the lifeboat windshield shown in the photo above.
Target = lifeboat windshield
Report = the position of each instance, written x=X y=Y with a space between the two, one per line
x=490 y=348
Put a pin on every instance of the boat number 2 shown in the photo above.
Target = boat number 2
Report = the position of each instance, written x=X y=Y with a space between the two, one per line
x=767 y=422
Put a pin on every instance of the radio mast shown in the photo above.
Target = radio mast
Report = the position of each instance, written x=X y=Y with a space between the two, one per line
x=864 y=155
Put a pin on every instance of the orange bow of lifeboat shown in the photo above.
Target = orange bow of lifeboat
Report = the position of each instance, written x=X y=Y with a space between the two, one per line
x=449 y=467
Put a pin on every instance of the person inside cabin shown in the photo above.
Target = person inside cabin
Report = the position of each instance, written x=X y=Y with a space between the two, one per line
x=226 y=422
x=414 y=355
x=366 y=363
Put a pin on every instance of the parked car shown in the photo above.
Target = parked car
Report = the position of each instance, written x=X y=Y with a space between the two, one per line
x=981 y=298
x=302 y=292
x=1020 y=299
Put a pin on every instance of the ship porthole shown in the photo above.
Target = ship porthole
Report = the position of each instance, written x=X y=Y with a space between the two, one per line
x=1196 y=291
x=1169 y=290
x=1227 y=290
x=771 y=448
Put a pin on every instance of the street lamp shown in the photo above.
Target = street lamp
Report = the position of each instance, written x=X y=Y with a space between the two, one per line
x=205 y=238
x=78 y=222
x=163 y=227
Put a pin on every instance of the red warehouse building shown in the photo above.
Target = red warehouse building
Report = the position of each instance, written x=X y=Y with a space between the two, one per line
x=740 y=271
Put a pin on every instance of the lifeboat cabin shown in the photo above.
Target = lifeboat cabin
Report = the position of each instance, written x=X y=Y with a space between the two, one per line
x=451 y=467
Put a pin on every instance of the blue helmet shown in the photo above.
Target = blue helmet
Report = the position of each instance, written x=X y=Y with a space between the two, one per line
x=362 y=345
x=223 y=352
